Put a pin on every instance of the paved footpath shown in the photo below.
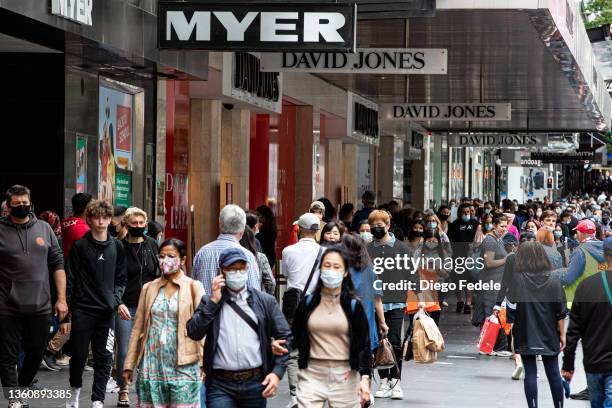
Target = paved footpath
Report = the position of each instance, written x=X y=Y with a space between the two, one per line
x=460 y=378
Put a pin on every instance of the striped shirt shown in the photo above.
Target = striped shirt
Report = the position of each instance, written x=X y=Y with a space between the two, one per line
x=206 y=262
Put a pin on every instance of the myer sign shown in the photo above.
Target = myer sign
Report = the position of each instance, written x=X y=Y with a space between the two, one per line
x=498 y=140
x=256 y=26
x=75 y=10
x=364 y=61
x=446 y=111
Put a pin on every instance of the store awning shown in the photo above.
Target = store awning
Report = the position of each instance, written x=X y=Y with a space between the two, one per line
x=495 y=55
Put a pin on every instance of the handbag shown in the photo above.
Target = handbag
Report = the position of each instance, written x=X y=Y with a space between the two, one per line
x=293 y=296
x=385 y=355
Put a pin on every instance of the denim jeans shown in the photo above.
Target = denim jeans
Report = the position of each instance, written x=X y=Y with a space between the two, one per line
x=222 y=393
x=600 y=389
x=123 y=329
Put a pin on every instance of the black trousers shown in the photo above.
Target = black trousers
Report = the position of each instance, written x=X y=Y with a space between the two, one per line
x=94 y=329
x=17 y=333
x=395 y=320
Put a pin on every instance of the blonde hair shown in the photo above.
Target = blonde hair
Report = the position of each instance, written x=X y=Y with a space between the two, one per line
x=545 y=236
x=379 y=215
x=131 y=212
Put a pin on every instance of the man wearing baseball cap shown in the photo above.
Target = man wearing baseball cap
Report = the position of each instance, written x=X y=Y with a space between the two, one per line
x=300 y=266
x=239 y=322
x=586 y=260
x=317 y=208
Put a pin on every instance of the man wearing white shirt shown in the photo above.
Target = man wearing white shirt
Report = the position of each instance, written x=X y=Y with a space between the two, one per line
x=300 y=266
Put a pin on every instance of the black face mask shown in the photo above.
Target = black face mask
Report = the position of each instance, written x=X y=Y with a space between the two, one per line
x=112 y=230
x=417 y=234
x=20 y=211
x=136 y=232
x=378 y=232
x=443 y=217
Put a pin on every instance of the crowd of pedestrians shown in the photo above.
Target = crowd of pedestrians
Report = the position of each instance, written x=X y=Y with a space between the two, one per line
x=105 y=291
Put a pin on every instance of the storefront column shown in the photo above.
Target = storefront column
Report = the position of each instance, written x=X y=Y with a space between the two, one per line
x=235 y=132
x=205 y=168
x=304 y=161
x=350 y=159
x=384 y=174
x=418 y=182
x=334 y=170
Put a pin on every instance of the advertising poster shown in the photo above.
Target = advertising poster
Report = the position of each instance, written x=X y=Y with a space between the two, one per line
x=115 y=149
x=81 y=163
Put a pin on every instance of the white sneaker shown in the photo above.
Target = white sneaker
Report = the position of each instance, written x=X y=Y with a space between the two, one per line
x=97 y=404
x=371 y=399
x=396 y=390
x=384 y=391
x=518 y=371
x=293 y=403
x=111 y=386
x=14 y=403
x=73 y=401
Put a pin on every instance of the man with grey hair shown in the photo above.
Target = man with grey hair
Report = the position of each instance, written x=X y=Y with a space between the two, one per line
x=232 y=221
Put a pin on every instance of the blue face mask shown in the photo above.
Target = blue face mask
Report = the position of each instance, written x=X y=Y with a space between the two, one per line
x=236 y=280
x=487 y=211
x=558 y=234
x=465 y=218
x=488 y=227
x=432 y=225
x=331 y=279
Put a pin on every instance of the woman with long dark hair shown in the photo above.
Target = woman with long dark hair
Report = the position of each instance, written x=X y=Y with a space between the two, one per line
x=267 y=233
x=415 y=234
x=539 y=326
x=331 y=332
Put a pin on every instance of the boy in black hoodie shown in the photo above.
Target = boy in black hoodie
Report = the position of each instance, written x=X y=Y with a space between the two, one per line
x=96 y=282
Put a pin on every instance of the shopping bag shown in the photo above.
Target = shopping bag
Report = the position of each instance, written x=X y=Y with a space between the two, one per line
x=435 y=341
x=488 y=335
x=422 y=353
x=503 y=320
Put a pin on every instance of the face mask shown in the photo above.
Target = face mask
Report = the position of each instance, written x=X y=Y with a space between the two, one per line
x=488 y=227
x=558 y=234
x=558 y=211
x=552 y=229
x=566 y=222
x=605 y=220
x=432 y=225
x=331 y=279
x=487 y=211
x=578 y=216
x=20 y=211
x=538 y=213
x=431 y=245
x=136 y=232
x=378 y=232
x=236 y=280
x=169 y=265
x=443 y=217
x=417 y=234
x=112 y=230
x=366 y=236
x=465 y=218
x=596 y=218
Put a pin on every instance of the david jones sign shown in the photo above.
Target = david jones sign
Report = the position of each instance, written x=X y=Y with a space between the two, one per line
x=256 y=26
x=447 y=112
x=499 y=140
x=366 y=61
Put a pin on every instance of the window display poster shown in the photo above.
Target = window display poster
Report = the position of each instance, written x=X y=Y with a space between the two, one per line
x=81 y=163
x=115 y=139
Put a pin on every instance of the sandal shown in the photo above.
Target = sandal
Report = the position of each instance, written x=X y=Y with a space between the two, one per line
x=124 y=399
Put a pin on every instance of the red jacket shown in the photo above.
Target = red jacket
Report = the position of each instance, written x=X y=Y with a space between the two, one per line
x=73 y=229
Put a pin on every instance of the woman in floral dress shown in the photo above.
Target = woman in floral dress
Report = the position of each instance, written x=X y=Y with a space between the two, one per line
x=168 y=362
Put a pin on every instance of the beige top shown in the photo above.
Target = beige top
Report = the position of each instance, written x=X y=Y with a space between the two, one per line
x=328 y=326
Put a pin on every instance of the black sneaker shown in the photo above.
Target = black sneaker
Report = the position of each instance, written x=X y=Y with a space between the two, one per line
x=581 y=396
x=48 y=362
x=460 y=306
